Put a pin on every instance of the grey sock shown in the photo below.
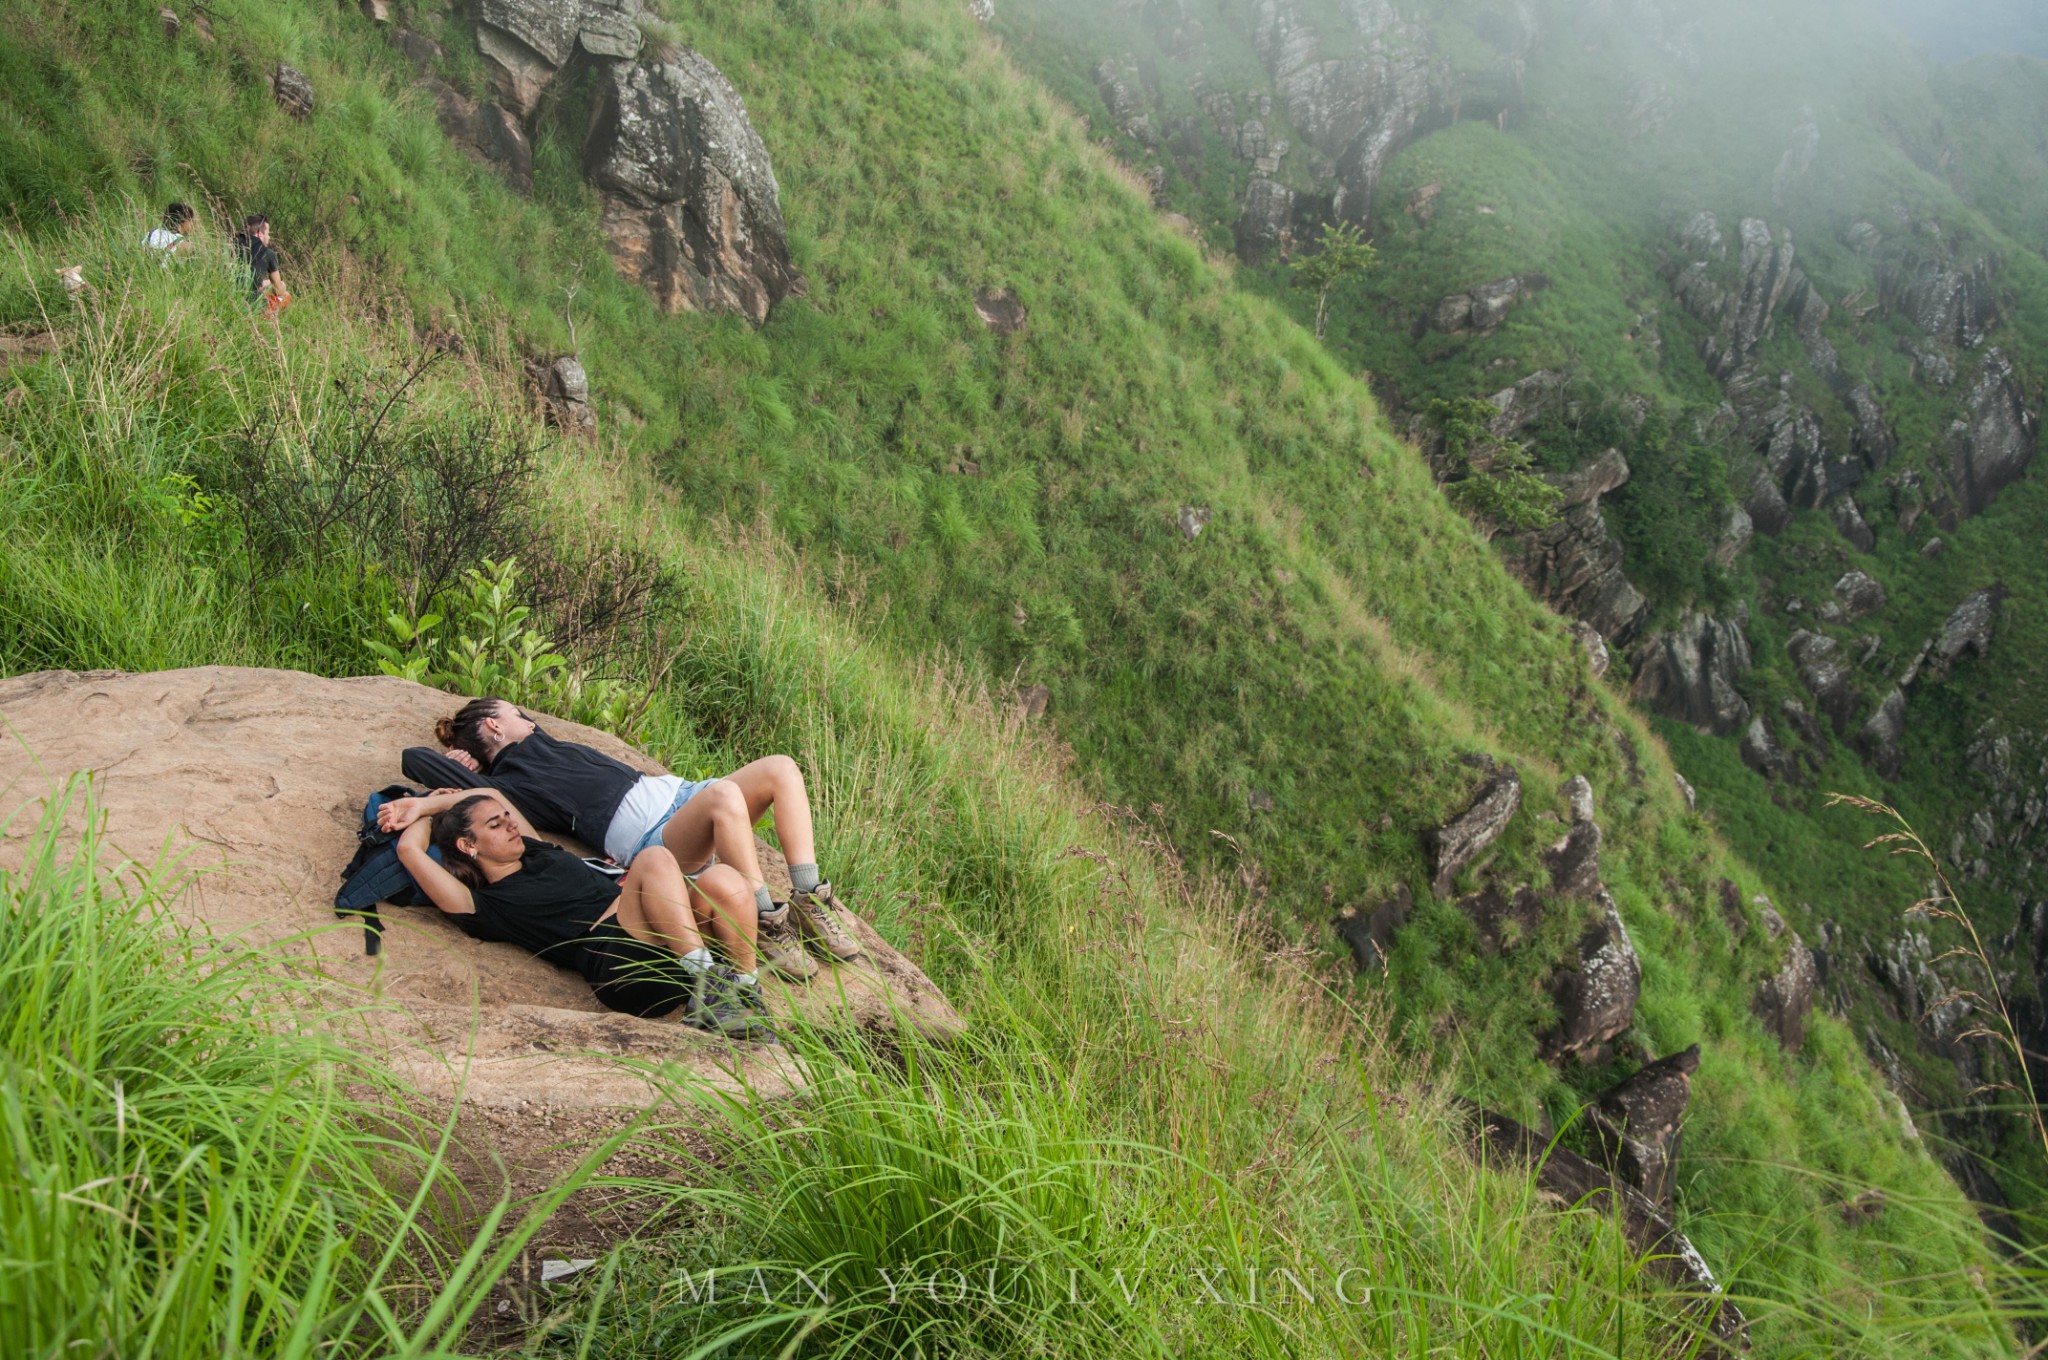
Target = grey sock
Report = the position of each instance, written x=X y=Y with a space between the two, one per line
x=747 y=979
x=804 y=877
x=764 y=902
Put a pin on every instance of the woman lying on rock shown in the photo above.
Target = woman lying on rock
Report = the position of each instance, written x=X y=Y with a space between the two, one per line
x=571 y=789
x=638 y=941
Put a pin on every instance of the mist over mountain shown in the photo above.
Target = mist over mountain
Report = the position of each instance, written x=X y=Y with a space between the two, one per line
x=1968 y=28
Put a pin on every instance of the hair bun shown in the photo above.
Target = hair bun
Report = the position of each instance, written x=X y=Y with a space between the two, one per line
x=444 y=731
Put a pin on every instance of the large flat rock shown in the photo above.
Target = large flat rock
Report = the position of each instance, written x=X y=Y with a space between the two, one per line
x=255 y=779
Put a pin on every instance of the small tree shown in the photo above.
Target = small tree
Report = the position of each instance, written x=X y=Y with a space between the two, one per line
x=1493 y=479
x=1343 y=253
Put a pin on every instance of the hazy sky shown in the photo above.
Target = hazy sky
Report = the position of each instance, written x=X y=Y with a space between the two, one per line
x=1963 y=28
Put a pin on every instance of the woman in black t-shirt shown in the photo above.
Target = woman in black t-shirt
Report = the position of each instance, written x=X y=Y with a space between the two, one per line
x=638 y=941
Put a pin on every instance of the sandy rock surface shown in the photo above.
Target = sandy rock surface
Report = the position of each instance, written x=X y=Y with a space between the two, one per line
x=257 y=778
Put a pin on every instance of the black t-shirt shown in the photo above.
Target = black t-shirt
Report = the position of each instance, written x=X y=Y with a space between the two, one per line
x=262 y=261
x=563 y=787
x=546 y=906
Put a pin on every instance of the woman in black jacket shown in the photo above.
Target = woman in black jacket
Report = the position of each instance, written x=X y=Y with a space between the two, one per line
x=570 y=789
x=638 y=942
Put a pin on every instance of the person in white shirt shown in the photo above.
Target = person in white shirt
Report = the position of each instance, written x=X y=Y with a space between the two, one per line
x=174 y=236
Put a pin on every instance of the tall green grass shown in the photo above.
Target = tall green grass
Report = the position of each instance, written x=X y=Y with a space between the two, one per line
x=188 y=1166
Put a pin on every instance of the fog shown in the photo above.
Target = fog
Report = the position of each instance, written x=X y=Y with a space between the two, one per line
x=1966 y=28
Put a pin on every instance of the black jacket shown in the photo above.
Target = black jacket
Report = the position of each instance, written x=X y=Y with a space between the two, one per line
x=564 y=788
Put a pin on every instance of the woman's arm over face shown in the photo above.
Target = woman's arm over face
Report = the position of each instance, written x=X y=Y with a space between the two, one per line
x=447 y=892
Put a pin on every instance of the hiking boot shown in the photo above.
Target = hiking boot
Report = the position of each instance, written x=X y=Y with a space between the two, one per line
x=724 y=1005
x=782 y=953
x=775 y=918
x=818 y=923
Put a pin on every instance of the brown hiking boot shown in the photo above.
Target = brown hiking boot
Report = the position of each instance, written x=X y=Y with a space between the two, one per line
x=817 y=923
x=781 y=949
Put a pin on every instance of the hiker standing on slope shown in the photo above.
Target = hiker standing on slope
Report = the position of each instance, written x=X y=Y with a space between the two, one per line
x=252 y=246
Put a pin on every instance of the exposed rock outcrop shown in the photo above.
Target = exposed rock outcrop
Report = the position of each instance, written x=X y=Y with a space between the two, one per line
x=1265 y=224
x=1458 y=842
x=1995 y=440
x=1637 y=1124
x=1596 y=996
x=1873 y=440
x=1574 y=563
x=1689 y=673
x=1824 y=670
x=1650 y=1232
x=189 y=759
x=1951 y=305
x=691 y=206
x=566 y=388
x=1783 y=999
x=486 y=133
x=1736 y=304
x=1000 y=310
x=1882 y=733
x=1760 y=751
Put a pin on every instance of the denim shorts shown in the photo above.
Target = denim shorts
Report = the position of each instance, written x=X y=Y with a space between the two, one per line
x=689 y=790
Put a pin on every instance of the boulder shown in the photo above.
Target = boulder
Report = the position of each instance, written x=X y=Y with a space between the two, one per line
x=1526 y=400
x=1636 y=1124
x=1686 y=792
x=1968 y=628
x=1859 y=594
x=190 y=763
x=1824 y=670
x=1783 y=999
x=292 y=90
x=1458 y=842
x=1481 y=309
x=1995 y=440
x=983 y=11
x=1191 y=520
x=566 y=388
x=1689 y=673
x=690 y=203
x=168 y=20
x=1371 y=933
x=1265 y=224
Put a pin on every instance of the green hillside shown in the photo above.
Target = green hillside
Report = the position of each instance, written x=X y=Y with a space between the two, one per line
x=873 y=489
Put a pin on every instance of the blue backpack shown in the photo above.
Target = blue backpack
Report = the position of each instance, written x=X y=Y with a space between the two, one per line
x=375 y=875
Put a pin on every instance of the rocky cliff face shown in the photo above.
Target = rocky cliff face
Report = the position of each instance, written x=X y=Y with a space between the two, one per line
x=1575 y=563
x=1689 y=673
x=691 y=209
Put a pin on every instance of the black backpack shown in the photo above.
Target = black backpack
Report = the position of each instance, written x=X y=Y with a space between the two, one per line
x=374 y=874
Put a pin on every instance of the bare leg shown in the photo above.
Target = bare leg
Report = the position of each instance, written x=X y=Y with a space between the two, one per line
x=724 y=902
x=655 y=903
x=778 y=782
x=715 y=819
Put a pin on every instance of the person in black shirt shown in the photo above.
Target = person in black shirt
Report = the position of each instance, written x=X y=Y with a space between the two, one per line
x=574 y=790
x=638 y=941
x=252 y=244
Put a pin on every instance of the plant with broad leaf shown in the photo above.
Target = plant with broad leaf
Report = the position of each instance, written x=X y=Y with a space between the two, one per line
x=496 y=649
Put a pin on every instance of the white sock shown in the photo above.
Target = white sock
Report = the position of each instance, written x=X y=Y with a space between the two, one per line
x=698 y=959
x=747 y=979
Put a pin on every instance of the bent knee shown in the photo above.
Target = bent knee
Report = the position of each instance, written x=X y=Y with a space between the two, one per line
x=784 y=767
x=724 y=796
x=656 y=858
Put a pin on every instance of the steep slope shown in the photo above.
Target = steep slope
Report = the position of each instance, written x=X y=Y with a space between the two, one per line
x=1323 y=665
x=1759 y=289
